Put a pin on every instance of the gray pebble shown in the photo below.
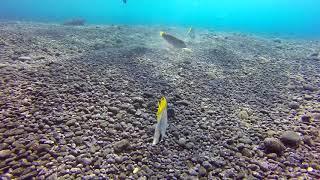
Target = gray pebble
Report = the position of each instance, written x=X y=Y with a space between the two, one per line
x=290 y=138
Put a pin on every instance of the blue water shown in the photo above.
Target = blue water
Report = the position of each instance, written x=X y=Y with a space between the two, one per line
x=282 y=17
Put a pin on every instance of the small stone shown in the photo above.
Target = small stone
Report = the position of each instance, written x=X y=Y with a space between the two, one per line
x=170 y=113
x=306 y=118
x=277 y=40
x=75 y=170
x=78 y=140
x=309 y=87
x=121 y=145
x=315 y=54
x=253 y=167
x=70 y=158
x=202 y=171
x=44 y=148
x=274 y=145
x=308 y=140
x=86 y=161
x=308 y=97
x=206 y=165
x=5 y=154
x=246 y=152
x=189 y=145
x=182 y=142
x=138 y=100
x=184 y=102
x=290 y=138
x=294 y=105
x=272 y=156
x=114 y=110
x=24 y=58
x=71 y=122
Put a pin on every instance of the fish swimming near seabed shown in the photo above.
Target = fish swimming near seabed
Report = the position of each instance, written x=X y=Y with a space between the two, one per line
x=191 y=33
x=162 y=121
x=175 y=42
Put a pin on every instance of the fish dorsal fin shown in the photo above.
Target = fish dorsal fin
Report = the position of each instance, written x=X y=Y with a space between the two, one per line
x=162 y=105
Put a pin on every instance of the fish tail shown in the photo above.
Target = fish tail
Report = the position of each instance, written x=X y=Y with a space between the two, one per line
x=157 y=134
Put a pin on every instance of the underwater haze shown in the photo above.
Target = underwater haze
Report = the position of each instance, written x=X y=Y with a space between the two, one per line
x=271 y=17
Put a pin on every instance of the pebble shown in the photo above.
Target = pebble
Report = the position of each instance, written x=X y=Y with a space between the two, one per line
x=309 y=87
x=202 y=171
x=24 y=58
x=246 y=152
x=184 y=102
x=308 y=97
x=308 y=140
x=290 y=138
x=5 y=154
x=272 y=156
x=121 y=145
x=71 y=122
x=294 y=105
x=182 y=142
x=114 y=110
x=306 y=118
x=273 y=145
x=75 y=170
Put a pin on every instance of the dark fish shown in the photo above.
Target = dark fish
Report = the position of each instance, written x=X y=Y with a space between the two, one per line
x=124 y=1
x=173 y=40
x=75 y=22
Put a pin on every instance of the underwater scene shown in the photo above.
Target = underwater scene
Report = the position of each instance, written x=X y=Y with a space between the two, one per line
x=171 y=89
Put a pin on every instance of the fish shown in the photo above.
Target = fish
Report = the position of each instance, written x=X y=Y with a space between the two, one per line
x=191 y=33
x=124 y=1
x=162 y=121
x=75 y=22
x=175 y=42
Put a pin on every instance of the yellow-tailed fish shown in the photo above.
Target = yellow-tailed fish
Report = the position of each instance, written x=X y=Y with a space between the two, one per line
x=175 y=42
x=162 y=121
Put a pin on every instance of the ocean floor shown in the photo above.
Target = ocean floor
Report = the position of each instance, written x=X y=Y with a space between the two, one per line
x=80 y=102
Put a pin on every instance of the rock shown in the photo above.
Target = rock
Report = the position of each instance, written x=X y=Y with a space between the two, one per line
x=290 y=138
x=43 y=148
x=308 y=140
x=273 y=145
x=182 y=142
x=253 y=167
x=71 y=122
x=24 y=58
x=85 y=161
x=121 y=145
x=184 y=102
x=170 y=113
x=277 y=40
x=70 y=158
x=202 y=171
x=293 y=105
x=308 y=97
x=75 y=170
x=309 y=87
x=78 y=140
x=138 y=100
x=272 y=156
x=114 y=110
x=5 y=154
x=246 y=152
x=206 y=165
x=189 y=145
x=306 y=118
x=243 y=115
